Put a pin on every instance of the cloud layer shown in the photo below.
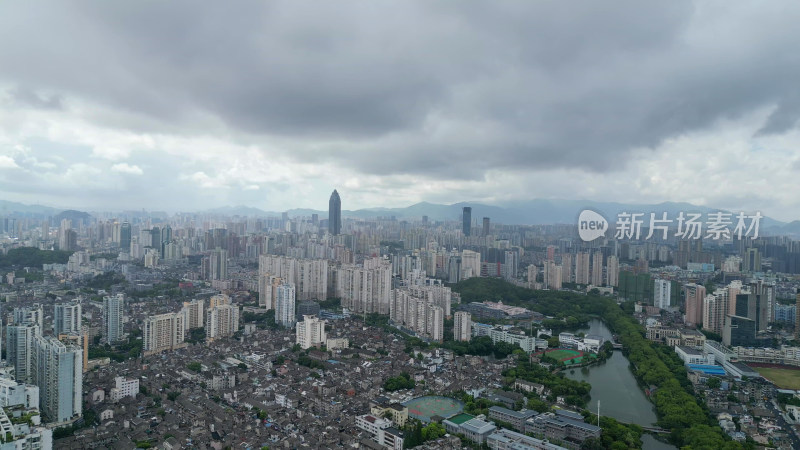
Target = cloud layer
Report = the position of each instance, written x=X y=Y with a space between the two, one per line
x=274 y=104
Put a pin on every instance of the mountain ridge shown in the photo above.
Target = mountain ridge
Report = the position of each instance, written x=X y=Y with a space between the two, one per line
x=529 y=212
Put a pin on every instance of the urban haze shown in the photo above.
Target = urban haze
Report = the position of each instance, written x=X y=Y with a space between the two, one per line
x=388 y=225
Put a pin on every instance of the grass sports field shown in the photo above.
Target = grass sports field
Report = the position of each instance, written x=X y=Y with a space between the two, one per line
x=783 y=378
x=568 y=356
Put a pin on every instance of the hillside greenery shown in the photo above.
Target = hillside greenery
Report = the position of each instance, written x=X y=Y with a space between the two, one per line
x=33 y=257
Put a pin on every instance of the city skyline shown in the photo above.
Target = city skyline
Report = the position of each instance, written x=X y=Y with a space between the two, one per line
x=421 y=224
x=292 y=111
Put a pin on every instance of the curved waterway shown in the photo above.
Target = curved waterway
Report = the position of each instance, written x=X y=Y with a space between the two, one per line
x=615 y=387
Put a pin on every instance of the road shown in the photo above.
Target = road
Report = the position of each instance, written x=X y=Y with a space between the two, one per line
x=773 y=406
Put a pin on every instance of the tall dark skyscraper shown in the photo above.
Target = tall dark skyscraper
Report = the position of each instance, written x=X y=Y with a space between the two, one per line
x=125 y=237
x=335 y=214
x=466 y=217
x=486 y=226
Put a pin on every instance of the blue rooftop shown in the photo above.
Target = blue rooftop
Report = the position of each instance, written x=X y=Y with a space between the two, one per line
x=707 y=369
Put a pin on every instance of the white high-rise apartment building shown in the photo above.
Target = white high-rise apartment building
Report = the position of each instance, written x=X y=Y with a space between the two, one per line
x=309 y=276
x=438 y=294
x=715 y=307
x=419 y=315
x=222 y=321
x=435 y=323
x=163 y=332
x=310 y=332
x=662 y=290
x=20 y=341
x=366 y=289
x=218 y=264
x=29 y=314
x=67 y=318
x=532 y=272
x=58 y=371
x=552 y=275
x=462 y=326
x=285 y=305
x=193 y=313
x=113 y=307
x=267 y=290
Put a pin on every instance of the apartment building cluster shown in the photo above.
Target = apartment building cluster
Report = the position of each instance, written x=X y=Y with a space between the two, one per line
x=167 y=331
x=420 y=315
x=50 y=364
x=581 y=268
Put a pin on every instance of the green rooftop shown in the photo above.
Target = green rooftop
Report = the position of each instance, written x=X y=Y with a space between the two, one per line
x=458 y=419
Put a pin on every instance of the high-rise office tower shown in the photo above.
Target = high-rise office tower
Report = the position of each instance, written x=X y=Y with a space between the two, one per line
x=284 y=305
x=310 y=332
x=163 y=332
x=20 y=340
x=661 y=293
x=218 y=264
x=67 y=318
x=486 y=226
x=462 y=326
x=113 y=307
x=695 y=296
x=58 y=371
x=752 y=260
x=125 y=237
x=466 y=220
x=335 y=214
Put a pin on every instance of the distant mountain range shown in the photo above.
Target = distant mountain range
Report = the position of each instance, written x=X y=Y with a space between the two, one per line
x=7 y=207
x=531 y=212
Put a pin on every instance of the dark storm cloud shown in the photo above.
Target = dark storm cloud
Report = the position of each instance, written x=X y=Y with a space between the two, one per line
x=447 y=89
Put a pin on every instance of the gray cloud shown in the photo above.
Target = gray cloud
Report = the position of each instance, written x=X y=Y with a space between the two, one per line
x=441 y=89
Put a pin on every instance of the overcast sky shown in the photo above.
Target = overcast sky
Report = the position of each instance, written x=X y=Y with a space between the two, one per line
x=164 y=105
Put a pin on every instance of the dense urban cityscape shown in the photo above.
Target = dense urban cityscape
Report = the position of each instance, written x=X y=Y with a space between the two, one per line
x=139 y=330
x=431 y=225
